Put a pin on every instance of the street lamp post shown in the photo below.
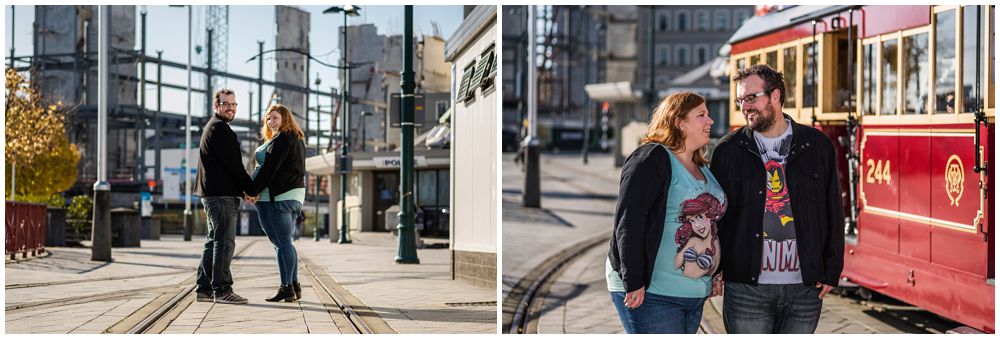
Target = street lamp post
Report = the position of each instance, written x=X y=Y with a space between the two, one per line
x=407 y=248
x=531 y=196
x=187 y=139
x=344 y=163
x=100 y=249
x=364 y=129
x=316 y=235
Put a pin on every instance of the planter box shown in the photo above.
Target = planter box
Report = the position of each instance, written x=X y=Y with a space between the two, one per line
x=55 y=233
x=126 y=227
x=150 y=228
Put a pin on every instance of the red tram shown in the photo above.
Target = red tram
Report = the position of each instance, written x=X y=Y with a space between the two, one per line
x=896 y=88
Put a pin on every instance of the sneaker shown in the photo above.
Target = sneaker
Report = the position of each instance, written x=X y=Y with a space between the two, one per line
x=204 y=297
x=230 y=298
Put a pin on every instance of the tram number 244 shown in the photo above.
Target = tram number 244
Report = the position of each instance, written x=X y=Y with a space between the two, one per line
x=877 y=172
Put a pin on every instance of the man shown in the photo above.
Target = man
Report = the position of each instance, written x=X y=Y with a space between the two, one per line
x=783 y=236
x=222 y=181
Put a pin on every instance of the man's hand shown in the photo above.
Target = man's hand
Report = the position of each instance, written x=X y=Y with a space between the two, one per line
x=634 y=299
x=249 y=199
x=718 y=286
x=824 y=289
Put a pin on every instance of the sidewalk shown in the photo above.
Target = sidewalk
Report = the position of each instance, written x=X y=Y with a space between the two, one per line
x=67 y=293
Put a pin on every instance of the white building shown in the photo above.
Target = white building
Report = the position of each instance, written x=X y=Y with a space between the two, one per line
x=472 y=51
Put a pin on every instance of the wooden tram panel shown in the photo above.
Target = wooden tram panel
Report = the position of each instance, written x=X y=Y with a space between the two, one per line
x=925 y=231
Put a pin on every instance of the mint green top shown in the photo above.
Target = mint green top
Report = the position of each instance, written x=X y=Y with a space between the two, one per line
x=298 y=194
x=700 y=254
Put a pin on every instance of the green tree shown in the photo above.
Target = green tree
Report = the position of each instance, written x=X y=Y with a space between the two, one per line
x=36 y=142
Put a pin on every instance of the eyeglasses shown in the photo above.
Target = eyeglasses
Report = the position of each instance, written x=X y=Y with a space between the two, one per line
x=749 y=99
x=228 y=104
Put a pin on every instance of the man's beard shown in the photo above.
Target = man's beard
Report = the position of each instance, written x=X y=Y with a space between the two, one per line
x=764 y=122
x=222 y=116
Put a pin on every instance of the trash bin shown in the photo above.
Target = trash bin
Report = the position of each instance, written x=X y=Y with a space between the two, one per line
x=55 y=230
x=391 y=218
x=151 y=228
x=126 y=227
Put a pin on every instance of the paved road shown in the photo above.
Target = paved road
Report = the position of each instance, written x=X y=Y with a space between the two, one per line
x=67 y=293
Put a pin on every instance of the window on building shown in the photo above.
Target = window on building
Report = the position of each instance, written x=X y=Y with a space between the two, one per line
x=664 y=56
x=465 y=90
x=944 y=59
x=721 y=20
x=790 y=56
x=662 y=23
x=809 y=71
x=682 y=22
x=889 y=69
x=868 y=79
x=682 y=55
x=440 y=108
x=772 y=59
x=969 y=54
x=916 y=70
x=741 y=16
x=486 y=71
x=702 y=55
x=703 y=21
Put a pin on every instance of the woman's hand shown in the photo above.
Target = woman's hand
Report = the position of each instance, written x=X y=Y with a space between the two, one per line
x=634 y=299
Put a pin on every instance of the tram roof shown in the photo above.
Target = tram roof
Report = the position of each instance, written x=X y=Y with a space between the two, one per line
x=787 y=17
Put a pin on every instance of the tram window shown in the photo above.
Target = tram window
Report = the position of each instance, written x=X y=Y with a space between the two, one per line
x=868 y=80
x=809 y=80
x=969 y=53
x=915 y=72
x=741 y=64
x=844 y=92
x=993 y=61
x=889 y=50
x=772 y=59
x=790 y=76
x=944 y=58
x=754 y=59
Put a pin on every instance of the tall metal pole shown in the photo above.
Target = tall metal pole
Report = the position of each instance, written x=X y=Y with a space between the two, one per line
x=187 y=143
x=316 y=179
x=531 y=193
x=407 y=248
x=141 y=122
x=101 y=228
x=260 y=81
x=12 y=37
x=345 y=128
x=156 y=116
x=590 y=103
x=651 y=70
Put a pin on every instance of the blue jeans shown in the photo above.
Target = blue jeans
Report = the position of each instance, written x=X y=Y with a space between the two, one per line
x=793 y=308
x=660 y=314
x=220 y=243
x=278 y=220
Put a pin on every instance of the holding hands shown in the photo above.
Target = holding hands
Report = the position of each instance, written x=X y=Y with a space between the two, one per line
x=250 y=199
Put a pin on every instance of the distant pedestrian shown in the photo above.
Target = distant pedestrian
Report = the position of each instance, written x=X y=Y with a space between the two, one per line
x=665 y=247
x=781 y=256
x=222 y=180
x=279 y=176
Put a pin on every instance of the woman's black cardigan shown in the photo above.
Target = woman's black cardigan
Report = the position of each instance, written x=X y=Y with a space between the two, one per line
x=639 y=214
x=284 y=166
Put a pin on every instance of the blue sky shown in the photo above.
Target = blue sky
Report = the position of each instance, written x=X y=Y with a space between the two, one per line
x=167 y=31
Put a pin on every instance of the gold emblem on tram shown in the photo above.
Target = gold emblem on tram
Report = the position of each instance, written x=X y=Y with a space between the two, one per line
x=954 y=177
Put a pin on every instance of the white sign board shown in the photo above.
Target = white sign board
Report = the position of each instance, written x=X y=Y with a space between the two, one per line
x=395 y=162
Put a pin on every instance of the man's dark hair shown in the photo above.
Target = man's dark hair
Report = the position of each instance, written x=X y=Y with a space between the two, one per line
x=226 y=91
x=772 y=79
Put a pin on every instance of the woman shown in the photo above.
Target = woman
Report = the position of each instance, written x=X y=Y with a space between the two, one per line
x=278 y=177
x=665 y=246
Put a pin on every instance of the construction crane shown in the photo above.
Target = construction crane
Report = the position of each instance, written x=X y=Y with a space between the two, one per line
x=217 y=20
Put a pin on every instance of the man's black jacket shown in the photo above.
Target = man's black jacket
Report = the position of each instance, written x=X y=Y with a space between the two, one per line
x=814 y=190
x=642 y=195
x=220 y=162
x=284 y=167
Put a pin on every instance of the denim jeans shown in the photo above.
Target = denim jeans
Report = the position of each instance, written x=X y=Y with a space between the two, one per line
x=660 y=314
x=793 y=308
x=278 y=220
x=220 y=243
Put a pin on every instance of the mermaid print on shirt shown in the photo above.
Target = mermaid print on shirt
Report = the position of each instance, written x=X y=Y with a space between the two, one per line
x=697 y=237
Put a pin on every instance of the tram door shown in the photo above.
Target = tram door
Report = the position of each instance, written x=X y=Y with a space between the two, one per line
x=878 y=189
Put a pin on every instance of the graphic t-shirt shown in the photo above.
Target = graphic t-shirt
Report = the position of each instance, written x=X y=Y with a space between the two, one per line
x=689 y=248
x=780 y=256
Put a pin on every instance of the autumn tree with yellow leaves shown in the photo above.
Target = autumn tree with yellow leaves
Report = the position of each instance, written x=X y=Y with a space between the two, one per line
x=37 y=145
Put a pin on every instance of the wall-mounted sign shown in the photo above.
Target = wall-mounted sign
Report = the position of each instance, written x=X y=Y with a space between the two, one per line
x=394 y=162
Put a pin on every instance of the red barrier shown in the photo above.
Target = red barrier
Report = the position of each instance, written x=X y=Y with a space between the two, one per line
x=25 y=229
